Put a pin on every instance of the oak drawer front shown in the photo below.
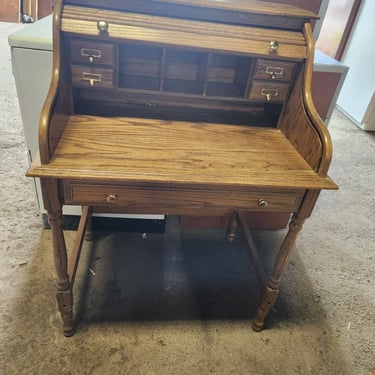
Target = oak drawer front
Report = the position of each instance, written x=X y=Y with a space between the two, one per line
x=82 y=51
x=268 y=91
x=274 y=70
x=172 y=200
x=92 y=77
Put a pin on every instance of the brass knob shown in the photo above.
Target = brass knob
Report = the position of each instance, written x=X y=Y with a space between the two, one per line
x=112 y=198
x=91 y=82
x=273 y=45
x=91 y=59
x=102 y=26
x=262 y=203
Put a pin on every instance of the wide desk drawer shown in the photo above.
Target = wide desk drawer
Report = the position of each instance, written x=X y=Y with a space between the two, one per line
x=173 y=201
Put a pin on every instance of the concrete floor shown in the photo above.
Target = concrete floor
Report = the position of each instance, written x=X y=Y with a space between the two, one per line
x=182 y=302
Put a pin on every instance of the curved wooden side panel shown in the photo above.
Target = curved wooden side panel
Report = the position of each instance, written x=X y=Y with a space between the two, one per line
x=310 y=107
x=46 y=115
x=300 y=121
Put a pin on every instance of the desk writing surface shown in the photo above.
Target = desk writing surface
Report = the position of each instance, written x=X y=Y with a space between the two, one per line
x=177 y=152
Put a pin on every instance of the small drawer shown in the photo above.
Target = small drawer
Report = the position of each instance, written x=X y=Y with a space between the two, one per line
x=83 y=51
x=274 y=70
x=87 y=76
x=268 y=92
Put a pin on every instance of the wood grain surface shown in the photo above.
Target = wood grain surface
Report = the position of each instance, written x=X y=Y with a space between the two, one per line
x=184 y=33
x=140 y=150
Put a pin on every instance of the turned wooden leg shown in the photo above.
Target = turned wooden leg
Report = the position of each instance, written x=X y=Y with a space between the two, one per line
x=232 y=227
x=272 y=288
x=64 y=293
x=89 y=235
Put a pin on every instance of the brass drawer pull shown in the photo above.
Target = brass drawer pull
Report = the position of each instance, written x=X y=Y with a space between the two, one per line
x=273 y=46
x=275 y=71
x=91 y=54
x=111 y=198
x=102 y=26
x=262 y=203
x=92 y=78
x=269 y=93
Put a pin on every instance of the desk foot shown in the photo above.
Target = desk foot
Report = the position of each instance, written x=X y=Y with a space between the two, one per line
x=65 y=304
x=89 y=235
x=232 y=227
x=267 y=301
x=69 y=332
x=256 y=327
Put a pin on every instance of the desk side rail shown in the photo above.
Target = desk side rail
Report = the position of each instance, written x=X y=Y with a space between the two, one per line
x=58 y=104
x=301 y=123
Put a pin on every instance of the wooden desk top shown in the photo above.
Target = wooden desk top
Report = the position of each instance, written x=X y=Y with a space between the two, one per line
x=158 y=152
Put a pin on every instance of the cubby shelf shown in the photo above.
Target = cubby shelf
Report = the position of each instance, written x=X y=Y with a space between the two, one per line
x=181 y=71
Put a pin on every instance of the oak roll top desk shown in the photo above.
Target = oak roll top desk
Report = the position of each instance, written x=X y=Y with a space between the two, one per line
x=180 y=107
